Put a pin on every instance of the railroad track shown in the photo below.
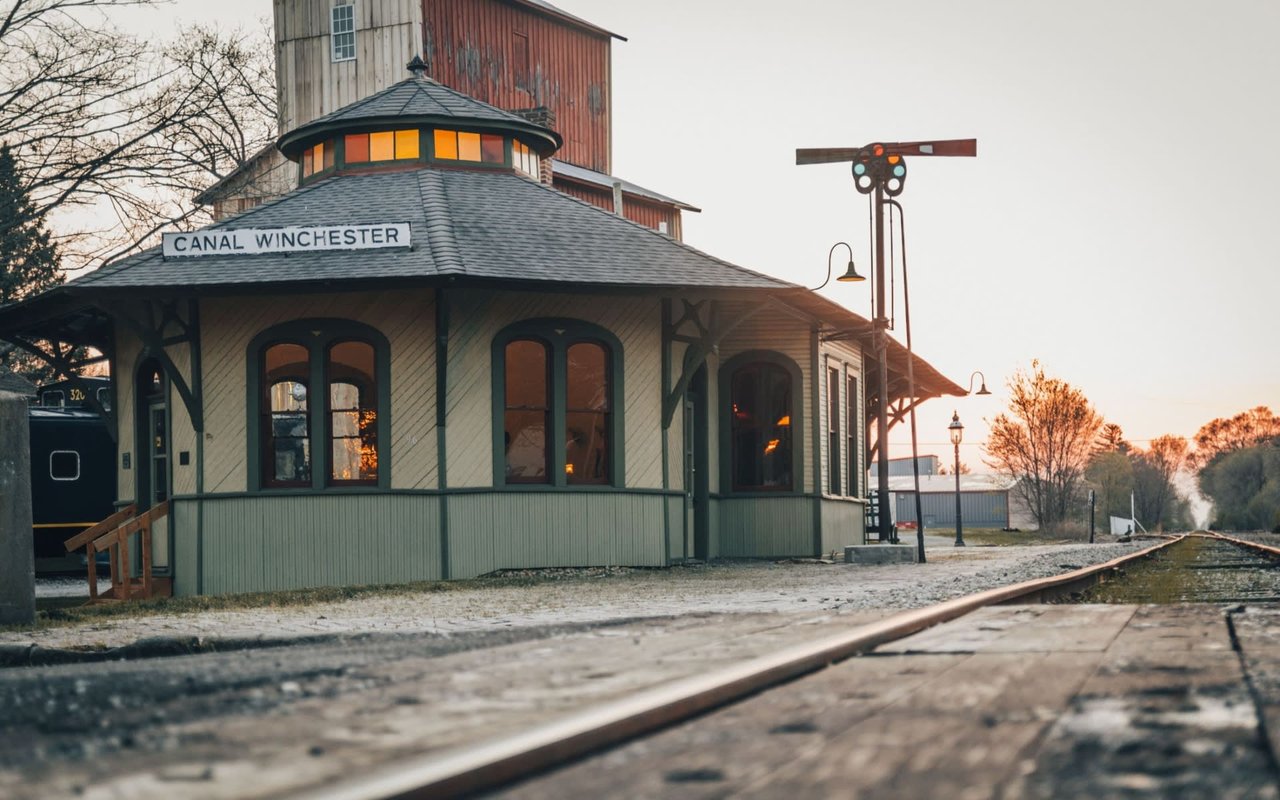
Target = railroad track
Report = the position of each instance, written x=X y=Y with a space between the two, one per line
x=1207 y=568
x=501 y=762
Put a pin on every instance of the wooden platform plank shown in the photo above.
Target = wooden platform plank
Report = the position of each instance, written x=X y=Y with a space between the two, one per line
x=1257 y=632
x=1018 y=629
x=1044 y=702
x=1176 y=721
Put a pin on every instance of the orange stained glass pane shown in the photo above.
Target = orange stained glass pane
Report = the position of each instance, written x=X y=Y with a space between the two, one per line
x=306 y=162
x=328 y=155
x=447 y=144
x=382 y=146
x=468 y=146
x=357 y=145
x=317 y=157
x=407 y=144
x=492 y=149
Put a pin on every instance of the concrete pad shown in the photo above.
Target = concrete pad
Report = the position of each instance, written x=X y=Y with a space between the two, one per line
x=880 y=554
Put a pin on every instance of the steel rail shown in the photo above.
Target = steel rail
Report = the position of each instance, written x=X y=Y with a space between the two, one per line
x=1267 y=550
x=499 y=762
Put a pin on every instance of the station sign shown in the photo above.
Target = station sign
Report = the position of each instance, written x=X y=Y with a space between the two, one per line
x=294 y=239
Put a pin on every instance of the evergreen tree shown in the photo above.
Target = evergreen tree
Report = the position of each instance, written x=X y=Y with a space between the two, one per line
x=28 y=257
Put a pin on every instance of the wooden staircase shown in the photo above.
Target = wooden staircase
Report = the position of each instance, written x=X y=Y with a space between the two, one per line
x=113 y=536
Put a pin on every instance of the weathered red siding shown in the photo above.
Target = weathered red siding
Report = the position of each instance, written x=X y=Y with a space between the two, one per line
x=477 y=46
x=637 y=210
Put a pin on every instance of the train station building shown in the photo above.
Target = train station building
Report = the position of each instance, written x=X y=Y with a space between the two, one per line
x=428 y=361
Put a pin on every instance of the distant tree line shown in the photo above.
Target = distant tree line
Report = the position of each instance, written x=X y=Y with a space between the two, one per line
x=1238 y=462
x=1059 y=448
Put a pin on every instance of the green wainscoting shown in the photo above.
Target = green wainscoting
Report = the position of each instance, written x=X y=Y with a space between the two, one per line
x=842 y=522
x=530 y=529
x=761 y=526
x=273 y=542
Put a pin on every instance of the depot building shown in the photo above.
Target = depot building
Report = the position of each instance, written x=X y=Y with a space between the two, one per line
x=427 y=363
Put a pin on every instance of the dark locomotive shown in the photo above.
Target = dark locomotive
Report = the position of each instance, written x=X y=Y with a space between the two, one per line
x=73 y=477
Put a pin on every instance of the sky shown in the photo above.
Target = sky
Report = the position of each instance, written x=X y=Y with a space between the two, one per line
x=1119 y=223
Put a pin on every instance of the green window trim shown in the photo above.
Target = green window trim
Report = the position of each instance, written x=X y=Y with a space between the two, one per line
x=558 y=334
x=725 y=384
x=316 y=335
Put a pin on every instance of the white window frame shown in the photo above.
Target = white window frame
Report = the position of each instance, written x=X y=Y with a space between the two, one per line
x=343 y=44
x=75 y=453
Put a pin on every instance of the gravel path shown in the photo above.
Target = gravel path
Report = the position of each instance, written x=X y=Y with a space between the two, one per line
x=589 y=597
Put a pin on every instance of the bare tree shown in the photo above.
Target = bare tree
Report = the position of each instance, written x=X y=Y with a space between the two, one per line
x=105 y=126
x=1225 y=435
x=1044 y=441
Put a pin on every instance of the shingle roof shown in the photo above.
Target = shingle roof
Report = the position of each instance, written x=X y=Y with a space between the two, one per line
x=478 y=224
x=414 y=100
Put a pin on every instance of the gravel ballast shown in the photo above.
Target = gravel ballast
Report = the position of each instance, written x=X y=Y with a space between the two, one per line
x=586 y=597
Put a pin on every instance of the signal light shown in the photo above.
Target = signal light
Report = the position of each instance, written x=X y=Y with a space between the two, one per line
x=874 y=167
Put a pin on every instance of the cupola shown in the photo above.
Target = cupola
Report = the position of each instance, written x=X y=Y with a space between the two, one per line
x=414 y=124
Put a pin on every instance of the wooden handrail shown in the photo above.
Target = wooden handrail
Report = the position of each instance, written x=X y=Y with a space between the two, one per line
x=132 y=526
x=115 y=540
x=108 y=524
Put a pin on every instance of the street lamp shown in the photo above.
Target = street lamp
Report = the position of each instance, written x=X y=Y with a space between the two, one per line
x=851 y=273
x=957 y=433
x=977 y=373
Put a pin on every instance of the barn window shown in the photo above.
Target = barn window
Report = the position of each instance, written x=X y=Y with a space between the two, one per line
x=64 y=465
x=344 y=32
x=320 y=392
x=760 y=420
x=555 y=401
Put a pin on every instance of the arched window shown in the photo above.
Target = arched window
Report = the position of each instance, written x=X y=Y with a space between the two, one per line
x=587 y=413
x=557 y=384
x=526 y=411
x=762 y=423
x=353 y=412
x=320 y=391
x=286 y=436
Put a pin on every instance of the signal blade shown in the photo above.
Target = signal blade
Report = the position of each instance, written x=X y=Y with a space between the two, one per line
x=826 y=155
x=940 y=147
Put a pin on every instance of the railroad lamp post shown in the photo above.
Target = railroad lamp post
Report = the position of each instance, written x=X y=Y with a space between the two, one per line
x=957 y=433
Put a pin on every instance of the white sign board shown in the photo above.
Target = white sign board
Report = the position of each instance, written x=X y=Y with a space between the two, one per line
x=296 y=239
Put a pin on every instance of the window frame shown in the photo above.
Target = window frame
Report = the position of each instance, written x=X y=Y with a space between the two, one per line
x=852 y=417
x=835 y=486
x=559 y=334
x=317 y=335
x=725 y=386
x=334 y=33
x=75 y=453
